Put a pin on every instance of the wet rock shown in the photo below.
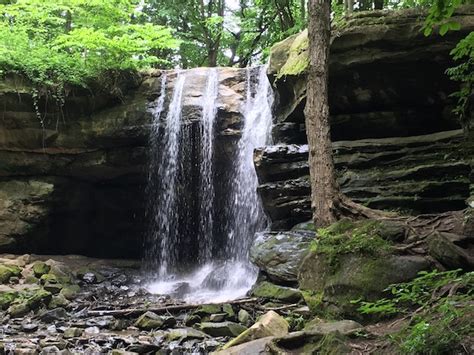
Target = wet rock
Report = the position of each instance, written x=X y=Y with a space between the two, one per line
x=72 y=333
x=268 y=290
x=120 y=280
x=29 y=327
x=222 y=329
x=120 y=324
x=279 y=254
x=244 y=317
x=40 y=268
x=54 y=288
x=183 y=334
x=89 y=278
x=303 y=311
x=219 y=317
x=270 y=324
x=101 y=322
x=122 y=352
x=6 y=298
x=229 y=310
x=53 y=315
x=150 y=320
x=50 y=350
x=343 y=326
x=90 y=331
x=143 y=348
x=255 y=347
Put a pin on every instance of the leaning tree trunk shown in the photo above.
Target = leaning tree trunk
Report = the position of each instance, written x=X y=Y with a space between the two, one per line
x=327 y=202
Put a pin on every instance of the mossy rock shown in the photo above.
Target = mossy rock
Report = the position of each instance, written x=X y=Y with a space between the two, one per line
x=9 y=271
x=40 y=268
x=329 y=290
x=18 y=310
x=70 y=292
x=48 y=278
x=268 y=290
x=150 y=320
x=38 y=298
x=7 y=298
x=208 y=309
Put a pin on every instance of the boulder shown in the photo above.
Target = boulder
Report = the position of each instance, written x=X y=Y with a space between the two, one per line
x=223 y=329
x=270 y=324
x=271 y=291
x=150 y=320
x=279 y=254
x=183 y=334
x=330 y=288
x=452 y=250
x=344 y=327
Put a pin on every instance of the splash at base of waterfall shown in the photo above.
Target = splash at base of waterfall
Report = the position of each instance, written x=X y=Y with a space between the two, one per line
x=212 y=283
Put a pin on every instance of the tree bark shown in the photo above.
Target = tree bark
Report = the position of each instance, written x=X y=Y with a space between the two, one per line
x=324 y=187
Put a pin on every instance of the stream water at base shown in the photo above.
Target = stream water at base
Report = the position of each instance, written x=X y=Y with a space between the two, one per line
x=201 y=227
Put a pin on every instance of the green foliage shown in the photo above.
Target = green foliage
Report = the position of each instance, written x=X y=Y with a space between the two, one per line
x=347 y=237
x=444 y=310
x=60 y=42
x=463 y=73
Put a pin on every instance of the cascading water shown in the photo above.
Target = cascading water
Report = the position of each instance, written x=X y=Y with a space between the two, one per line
x=222 y=269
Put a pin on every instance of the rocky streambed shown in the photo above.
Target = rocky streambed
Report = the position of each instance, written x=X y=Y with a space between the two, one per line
x=73 y=304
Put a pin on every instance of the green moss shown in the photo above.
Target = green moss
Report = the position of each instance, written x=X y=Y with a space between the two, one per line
x=347 y=237
x=270 y=291
x=298 y=61
x=40 y=268
x=314 y=300
x=6 y=298
x=8 y=271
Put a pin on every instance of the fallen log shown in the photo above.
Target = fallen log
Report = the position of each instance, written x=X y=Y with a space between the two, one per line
x=165 y=309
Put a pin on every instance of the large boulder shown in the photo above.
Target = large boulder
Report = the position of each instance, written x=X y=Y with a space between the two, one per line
x=279 y=254
x=270 y=291
x=331 y=288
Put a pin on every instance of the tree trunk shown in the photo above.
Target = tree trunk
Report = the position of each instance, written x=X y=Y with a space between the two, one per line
x=324 y=187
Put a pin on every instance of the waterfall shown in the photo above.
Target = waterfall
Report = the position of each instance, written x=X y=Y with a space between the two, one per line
x=185 y=222
x=207 y=195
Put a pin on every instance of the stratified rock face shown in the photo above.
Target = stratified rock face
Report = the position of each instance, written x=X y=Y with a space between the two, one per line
x=78 y=185
x=386 y=78
x=419 y=174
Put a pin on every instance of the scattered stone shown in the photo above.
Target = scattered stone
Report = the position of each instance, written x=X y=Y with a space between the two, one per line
x=101 y=322
x=268 y=290
x=40 y=268
x=54 y=288
x=50 y=350
x=254 y=347
x=29 y=327
x=219 y=317
x=183 y=334
x=122 y=352
x=70 y=292
x=208 y=309
x=91 y=331
x=150 y=320
x=192 y=319
x=52 y=315
x=222 y=329
x=50 y=342
x=244 y=317
x=270 y=324
x=89 y=278
x=229 y=310
x=58 y=301
x=72 y=333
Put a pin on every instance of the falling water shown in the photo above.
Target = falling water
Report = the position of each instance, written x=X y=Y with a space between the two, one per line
x=218 y=275
x=207 y=195
x=165 y=168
